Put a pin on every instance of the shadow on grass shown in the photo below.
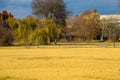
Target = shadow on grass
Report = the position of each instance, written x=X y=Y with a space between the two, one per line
x=98 y=78
x=12 y=78
x=6 y=78
x=69 y=57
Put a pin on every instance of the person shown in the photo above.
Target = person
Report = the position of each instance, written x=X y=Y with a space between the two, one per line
x=55 y=42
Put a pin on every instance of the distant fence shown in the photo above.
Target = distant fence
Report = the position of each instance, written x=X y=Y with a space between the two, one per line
x=100 y=44
x=90 y=45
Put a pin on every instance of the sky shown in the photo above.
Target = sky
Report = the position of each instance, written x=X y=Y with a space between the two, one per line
x=22 y=8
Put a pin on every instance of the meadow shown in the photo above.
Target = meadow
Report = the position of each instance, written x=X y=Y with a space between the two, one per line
x=59 y=63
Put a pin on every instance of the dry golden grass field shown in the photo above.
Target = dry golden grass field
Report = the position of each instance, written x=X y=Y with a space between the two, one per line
x=59 y=63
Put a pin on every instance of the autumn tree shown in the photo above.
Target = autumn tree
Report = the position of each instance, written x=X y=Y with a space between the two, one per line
x=52 y=29
x=13 y=24
x=86 y=26
x=90 y=21
x=46 y=32
x=25 y=28
x=73 y=27
x=6 y=37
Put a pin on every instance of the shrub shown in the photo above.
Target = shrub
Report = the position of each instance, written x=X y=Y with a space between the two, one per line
x=6 y=37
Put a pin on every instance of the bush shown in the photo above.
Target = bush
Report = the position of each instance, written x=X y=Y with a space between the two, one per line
x=6 y=37
x=63 y=40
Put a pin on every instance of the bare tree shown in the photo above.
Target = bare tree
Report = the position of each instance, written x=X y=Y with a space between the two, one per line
x=119 y=3
x=55 y=9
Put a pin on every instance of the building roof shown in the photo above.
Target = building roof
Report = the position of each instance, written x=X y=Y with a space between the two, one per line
x=110 y=17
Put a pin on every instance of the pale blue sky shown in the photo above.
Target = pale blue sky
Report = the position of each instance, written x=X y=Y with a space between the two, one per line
x=22 y=8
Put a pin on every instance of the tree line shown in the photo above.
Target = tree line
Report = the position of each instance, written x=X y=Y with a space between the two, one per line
x=52 y=23
x=88 y=26
x=27 y=31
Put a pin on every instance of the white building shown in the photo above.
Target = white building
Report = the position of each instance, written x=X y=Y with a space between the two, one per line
x=107 y=17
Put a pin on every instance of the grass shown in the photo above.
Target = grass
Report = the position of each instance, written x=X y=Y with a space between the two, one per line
x=59 y=63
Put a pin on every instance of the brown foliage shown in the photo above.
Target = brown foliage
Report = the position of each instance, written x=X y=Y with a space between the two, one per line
x=5 y=15
x=86 y=26
x=5 y=32
x=5 y=36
